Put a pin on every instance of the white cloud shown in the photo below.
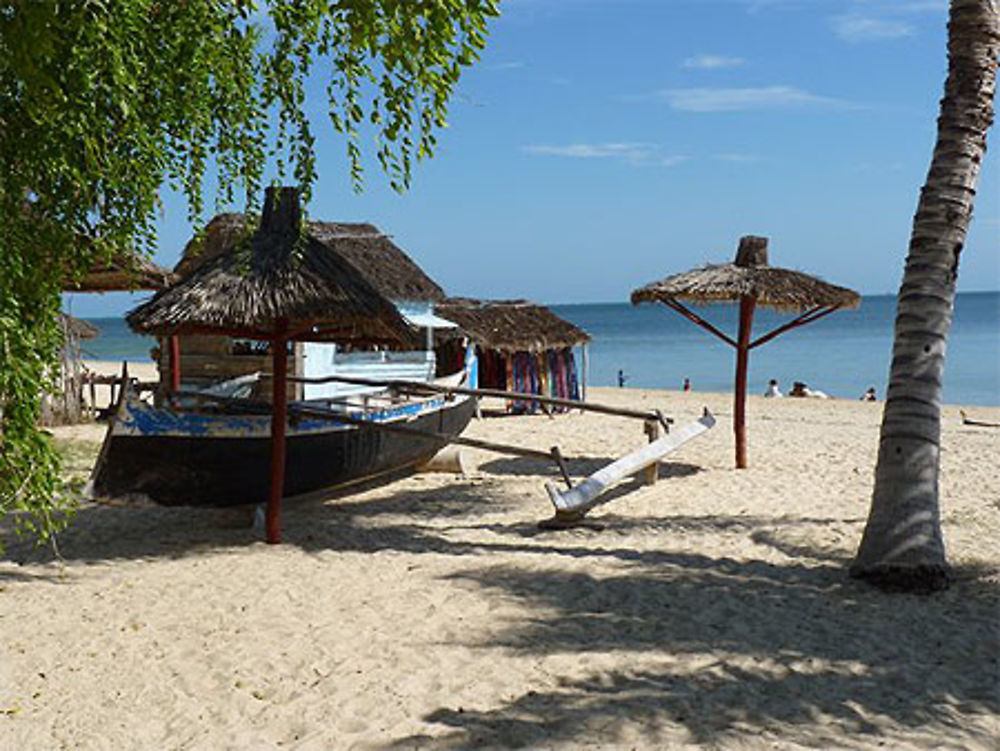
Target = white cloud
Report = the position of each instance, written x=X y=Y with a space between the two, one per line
x=881 y=20
x=856 y=28
x=741 y=99
x=712 y=62
x=511 y=65
x=630 y=152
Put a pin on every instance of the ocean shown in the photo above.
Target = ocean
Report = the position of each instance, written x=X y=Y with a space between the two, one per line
x=842 y=354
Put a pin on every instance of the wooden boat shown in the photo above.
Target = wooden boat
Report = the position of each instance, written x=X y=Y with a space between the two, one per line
x=220 y=455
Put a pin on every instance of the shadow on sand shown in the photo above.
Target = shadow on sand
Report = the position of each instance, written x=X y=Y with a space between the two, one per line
x=787 y=653
x=790 y=654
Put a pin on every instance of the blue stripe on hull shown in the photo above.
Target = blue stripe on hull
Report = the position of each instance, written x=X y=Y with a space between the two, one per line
x=196 y=467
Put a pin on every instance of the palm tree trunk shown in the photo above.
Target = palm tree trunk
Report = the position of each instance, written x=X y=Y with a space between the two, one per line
x=902 y=545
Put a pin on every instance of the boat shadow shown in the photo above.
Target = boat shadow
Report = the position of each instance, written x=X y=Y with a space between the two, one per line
x=577 y=466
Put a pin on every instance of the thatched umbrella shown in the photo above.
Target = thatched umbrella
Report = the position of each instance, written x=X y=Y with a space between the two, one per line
x=78 y=328
x=751 y=281
x=280 y=284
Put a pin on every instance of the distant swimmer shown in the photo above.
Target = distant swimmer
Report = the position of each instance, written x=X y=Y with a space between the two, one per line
x=772 y=389
x=621 y=379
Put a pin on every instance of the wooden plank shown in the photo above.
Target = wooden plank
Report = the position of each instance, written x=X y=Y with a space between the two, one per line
x=966 y=420
x=577 y=501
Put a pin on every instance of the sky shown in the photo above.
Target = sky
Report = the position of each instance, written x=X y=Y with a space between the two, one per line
x=600 y=145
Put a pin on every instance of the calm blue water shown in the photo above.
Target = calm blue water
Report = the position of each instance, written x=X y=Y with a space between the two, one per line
x=842 y=354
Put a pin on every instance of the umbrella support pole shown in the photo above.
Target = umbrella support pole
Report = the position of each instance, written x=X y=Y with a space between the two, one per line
x=747 y=305
x=175 y=363
x=279 y=419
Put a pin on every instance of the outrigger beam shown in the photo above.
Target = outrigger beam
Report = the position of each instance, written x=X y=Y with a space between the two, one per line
x=422 y=388
x=572 y=504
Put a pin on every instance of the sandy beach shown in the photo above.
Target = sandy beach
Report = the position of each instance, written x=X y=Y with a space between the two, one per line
x=710 y=610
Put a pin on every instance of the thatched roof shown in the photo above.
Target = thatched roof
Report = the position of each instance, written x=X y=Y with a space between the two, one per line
x=78 y=328
x=749 y=275
x=372 y=254
x=275 y=274
x=511 y=325
x=124 y=273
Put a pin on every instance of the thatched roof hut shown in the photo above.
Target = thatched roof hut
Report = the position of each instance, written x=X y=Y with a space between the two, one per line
x=370 y=252
x=511 y=325
x=749 y=276
x=522 y=347
x=246 y=288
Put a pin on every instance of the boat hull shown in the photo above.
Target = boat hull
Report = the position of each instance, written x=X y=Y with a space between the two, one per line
x=186 y=459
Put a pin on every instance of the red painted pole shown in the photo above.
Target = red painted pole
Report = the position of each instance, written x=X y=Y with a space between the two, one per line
x=175 y=364
x=747 y=305
x=279 y=419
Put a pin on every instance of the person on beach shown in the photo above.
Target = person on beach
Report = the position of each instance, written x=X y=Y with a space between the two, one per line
x=687 y=385
x=802 y=390
x=621 y=379
x=869 y=395
x=773 y=390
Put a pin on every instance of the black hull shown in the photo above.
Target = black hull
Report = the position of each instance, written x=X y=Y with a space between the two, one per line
x=214 y=471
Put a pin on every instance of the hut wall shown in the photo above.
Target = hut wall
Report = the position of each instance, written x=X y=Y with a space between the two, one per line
x=206 y=360
x=323 y=360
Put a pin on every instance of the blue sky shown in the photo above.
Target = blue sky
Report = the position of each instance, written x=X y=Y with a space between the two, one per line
x=602 y=144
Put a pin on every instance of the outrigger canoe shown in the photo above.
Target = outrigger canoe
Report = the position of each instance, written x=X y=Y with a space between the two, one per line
x=220 y=456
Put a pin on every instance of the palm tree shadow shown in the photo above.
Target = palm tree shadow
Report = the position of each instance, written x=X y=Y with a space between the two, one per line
x=770 y=647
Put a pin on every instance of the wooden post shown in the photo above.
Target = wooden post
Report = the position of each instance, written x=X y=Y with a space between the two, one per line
x=175 y=364
x=747 y=305
x=652 y=473
x=279 y=419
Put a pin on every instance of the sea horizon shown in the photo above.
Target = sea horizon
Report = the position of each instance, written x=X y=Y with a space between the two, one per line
x=843 y=354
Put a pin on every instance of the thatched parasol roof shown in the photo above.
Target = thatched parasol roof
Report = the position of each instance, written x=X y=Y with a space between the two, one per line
x=78 y=328
x=511 y=325
x=772 y=287
x=124 y=273
x=276 y=273
x=372 y=254
x=751 y=282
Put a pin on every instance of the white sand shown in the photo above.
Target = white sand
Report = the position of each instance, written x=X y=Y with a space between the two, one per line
x=713 y=609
